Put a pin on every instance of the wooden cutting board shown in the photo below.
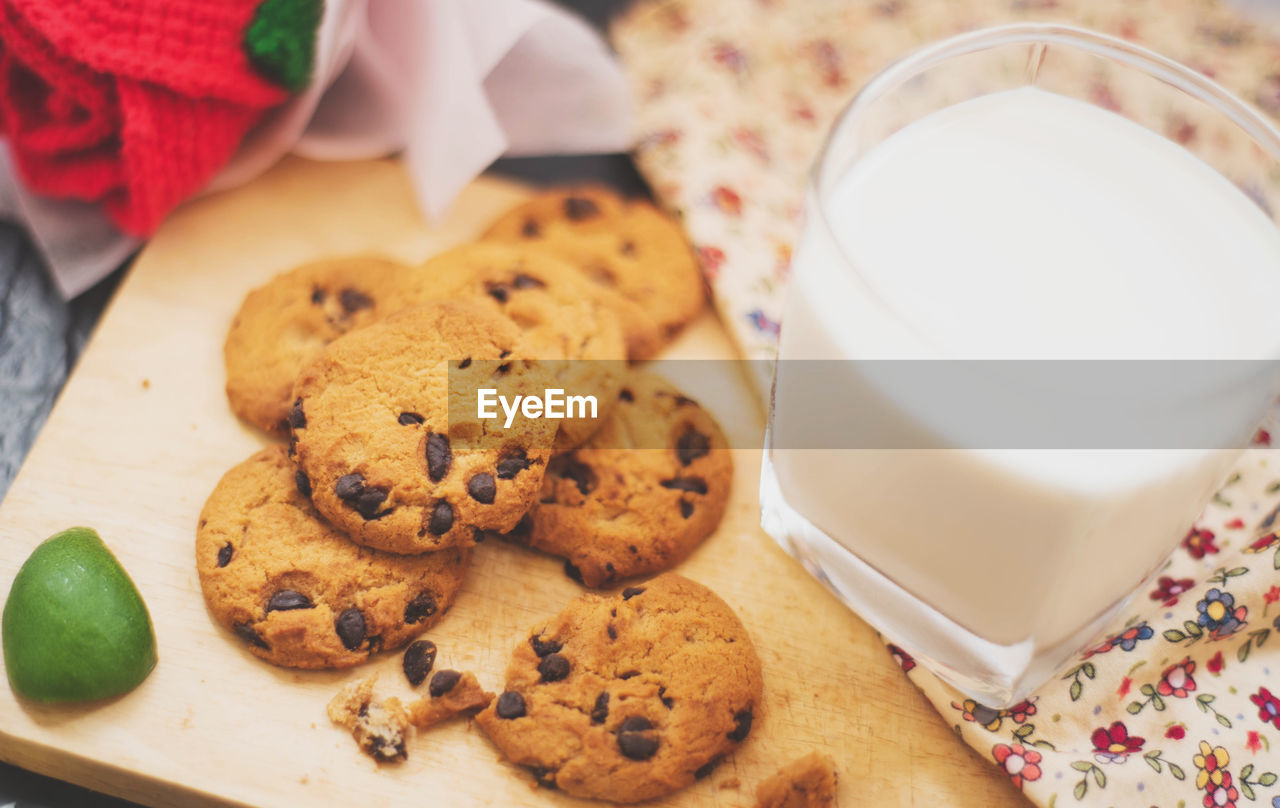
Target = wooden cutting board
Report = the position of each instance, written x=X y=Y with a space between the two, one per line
x=142 y=433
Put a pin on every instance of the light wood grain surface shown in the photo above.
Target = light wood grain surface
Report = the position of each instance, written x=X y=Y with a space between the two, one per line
x=142 y=433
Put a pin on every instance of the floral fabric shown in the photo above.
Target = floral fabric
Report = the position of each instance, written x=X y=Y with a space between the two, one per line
x=1179 y=703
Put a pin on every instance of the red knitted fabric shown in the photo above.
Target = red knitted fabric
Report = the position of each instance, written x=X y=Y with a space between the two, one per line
x=134 y=104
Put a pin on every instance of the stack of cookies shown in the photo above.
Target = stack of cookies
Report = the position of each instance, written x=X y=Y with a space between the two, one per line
x=355 y=536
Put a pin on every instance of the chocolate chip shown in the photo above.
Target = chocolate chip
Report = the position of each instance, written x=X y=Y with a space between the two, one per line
x=553 y=667
x=742 y=726
x=353 y=300
x=348 y=486
x=464 y=364
x=523 y=281
x=692 y=445
x=633 y=549
x=530 y=229
x=297 y=418
x=286 y=600
x=439 y=456
x=350 y=627
x=637 y=746
x=510 y=705
x=581 y=474
x=600 y=712
x=504 y=354
x=613 y=633
x=384 y=747
x=419 y=657
x=632 y=741
x=545 y=777
x=303 y=482
x=477 y=535
x=224 y=554
x=497 y=291
x=578 y=208
x=694 y=485
x=512 y=463
x=626 y=395
x=410 y=419
x=317 y=295
x=631 y=591
x=573 y=572
x=482 y=488
x=706 y=768
x=628 y=675
x=245 y=632
x=502 y=369
x=368 y=500
x=686 y=509
x=441 y=519
x=635 y=723
x=666 y=700
x=628 y=248
x=442 y=683
x=543 y=647
x=421 y=607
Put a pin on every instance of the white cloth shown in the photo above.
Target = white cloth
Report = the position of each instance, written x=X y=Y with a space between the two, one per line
x=453 y=84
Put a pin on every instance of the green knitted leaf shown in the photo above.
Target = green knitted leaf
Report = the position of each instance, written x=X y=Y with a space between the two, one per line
x=281 y=40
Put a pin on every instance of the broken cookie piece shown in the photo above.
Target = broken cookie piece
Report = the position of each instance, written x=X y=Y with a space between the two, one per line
x=378 y=727
x=807 y=782
x=451 y=693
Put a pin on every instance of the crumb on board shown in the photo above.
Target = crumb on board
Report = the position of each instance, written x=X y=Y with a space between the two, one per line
x=378 y=727
x=807 y=782
x=146 y=384
x=451 y=693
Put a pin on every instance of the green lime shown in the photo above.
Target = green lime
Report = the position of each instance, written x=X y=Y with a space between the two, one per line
x=74 y=626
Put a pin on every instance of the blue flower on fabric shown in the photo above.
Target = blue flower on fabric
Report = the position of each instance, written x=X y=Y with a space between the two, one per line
x=1126 y=640
x=1219 y=614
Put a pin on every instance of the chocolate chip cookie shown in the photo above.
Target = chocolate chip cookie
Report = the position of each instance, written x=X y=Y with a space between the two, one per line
x=293 y=589
x=284 y=324
x=645 y=490
x=379 y=727
x=557 y=310
x=634 y=254
x=385 y=428
x=629 y=697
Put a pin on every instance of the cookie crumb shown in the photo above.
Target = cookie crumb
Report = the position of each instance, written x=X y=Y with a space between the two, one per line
x=146 y=384
x=807 y=782
x=464 y=696
x=378 y=727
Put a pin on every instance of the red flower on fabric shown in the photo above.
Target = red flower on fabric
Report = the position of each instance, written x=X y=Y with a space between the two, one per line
x=1214 y=665
x=1177 y=732
x=1272 y=594
x=711 y=258
x=827 y=61
x=1263 y=543
x=1234 y=524
x=1168 y=589
x=1176 y=680
x=727 y=200
x=727 y=55
x=1262 y=438
x=1268 y=706
x=904 y=660
x=1123 y=690
x=136 y=121
x=1200 y=543
x=752 y=141
x=1113 y=744
x=1254 y=742
x=1021 y=764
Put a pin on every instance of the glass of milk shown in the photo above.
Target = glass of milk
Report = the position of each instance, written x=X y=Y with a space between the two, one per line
x=1031 y=323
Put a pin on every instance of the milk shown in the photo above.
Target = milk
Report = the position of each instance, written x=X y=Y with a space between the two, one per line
x=1019 y=225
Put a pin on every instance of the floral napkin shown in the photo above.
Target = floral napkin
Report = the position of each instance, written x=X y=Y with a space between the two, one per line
x=1180 y=704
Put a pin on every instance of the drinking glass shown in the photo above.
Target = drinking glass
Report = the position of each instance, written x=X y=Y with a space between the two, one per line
x=990 y=590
